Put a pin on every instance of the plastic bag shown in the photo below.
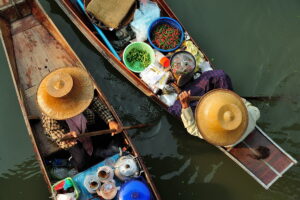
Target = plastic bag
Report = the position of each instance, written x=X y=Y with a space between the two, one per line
x=143 y=17
x=155 y=77
x=169 y=99
x=67 y=196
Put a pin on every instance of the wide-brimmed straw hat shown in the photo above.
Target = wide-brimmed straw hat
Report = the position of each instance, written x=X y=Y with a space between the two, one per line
x=65 y=93
x=221 y=117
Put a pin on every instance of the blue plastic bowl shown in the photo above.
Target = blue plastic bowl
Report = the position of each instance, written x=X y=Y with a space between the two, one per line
x=171 y=22
x=134 y=190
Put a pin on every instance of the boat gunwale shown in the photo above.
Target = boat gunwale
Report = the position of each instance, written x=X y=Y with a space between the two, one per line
x=8 y=46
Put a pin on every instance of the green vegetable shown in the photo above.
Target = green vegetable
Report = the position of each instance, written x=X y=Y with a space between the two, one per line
x=141 y=57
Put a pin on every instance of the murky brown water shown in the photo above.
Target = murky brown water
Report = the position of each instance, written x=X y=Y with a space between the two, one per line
x=256 y=42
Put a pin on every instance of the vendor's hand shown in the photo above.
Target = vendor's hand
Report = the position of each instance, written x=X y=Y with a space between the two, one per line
x=73 y=141
x=116 y=126
x=184 y=99
x=72 y=134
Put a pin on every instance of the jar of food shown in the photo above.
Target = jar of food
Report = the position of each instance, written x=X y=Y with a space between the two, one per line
x=105 y=173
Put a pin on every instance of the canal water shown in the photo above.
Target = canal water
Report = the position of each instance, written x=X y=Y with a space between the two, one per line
x=256 y=42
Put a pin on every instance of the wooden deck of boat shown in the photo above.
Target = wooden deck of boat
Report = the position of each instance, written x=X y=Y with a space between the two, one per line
x=38 y=54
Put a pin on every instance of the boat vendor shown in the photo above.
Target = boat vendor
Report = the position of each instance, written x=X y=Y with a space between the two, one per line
x=222 y=118
x=69 y=107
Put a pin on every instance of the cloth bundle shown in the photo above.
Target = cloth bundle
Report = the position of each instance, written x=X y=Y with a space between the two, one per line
x=110 y=12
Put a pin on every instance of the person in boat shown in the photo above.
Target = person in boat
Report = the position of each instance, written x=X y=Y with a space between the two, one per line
x=210 y=79
x=70 y=107
x=221 y=117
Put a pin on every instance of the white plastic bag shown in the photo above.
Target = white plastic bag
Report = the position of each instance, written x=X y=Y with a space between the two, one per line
x=155 y=77
x=143 y=17
x=169 y=99
x=67 y=196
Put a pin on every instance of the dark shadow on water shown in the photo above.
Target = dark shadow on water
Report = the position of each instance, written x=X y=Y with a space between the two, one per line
x=17 y=183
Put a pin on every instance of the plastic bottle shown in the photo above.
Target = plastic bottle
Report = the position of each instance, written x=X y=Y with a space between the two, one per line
x=162 y=59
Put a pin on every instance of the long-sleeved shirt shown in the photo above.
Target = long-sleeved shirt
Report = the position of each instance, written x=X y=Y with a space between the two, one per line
x=189 y=121
x=56 y=129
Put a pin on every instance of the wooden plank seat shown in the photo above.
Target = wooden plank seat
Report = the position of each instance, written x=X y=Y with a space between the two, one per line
x=8 y=11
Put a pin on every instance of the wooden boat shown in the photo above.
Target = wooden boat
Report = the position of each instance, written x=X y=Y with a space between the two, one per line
x=34 y=47
x=266 y=171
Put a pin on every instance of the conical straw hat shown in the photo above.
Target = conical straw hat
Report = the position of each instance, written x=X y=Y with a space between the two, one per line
x=65 y=93
x=221 y=117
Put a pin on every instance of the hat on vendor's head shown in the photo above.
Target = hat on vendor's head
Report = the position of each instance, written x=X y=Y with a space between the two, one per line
x=65 y=93
x=221 y=117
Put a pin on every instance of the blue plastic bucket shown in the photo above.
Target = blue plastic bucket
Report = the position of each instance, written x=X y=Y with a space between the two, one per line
x=171 y=22
x=134 y=190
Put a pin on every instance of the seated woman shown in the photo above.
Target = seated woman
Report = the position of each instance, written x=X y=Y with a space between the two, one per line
x=69 y=107
x=221 y=117
x=209 y=80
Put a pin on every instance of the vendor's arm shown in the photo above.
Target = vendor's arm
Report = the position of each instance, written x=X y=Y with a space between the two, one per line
x=253 y=116
x=55 y=132
x=253 y=111
x=104 y=113
x=187 y=115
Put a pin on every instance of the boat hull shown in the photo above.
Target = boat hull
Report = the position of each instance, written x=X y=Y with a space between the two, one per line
x=34 y=47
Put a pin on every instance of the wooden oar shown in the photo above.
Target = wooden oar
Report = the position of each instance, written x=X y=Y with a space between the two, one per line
x=262 y=98
x=253 y=98
x=102 y=132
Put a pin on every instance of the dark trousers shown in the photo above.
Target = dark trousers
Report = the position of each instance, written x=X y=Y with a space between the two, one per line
x=103 y=146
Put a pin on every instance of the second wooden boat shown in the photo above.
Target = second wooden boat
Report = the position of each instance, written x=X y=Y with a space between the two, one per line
x=265 y=171
x=34 y=47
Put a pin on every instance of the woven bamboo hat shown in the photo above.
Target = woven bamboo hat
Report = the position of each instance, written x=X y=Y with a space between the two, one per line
x=221 y=117
x=65 y=93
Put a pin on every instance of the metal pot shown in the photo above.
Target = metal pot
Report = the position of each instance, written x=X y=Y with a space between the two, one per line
x=91 y=183
x=126 y=168
x=105 y=173
x=183 y=64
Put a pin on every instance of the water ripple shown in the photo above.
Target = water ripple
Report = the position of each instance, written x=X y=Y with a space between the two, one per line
x=178 y=172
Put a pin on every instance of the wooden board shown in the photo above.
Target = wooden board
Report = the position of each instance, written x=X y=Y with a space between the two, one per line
x=38 y=54
x=11 y=10
x=266 y=170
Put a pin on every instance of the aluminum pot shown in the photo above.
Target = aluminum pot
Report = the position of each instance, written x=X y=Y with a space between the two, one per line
x=126 y=168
